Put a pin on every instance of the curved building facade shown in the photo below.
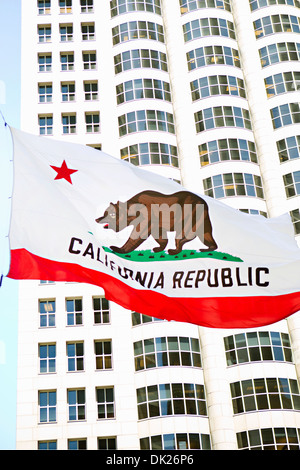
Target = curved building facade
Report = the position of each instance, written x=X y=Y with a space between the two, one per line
x=205 y=92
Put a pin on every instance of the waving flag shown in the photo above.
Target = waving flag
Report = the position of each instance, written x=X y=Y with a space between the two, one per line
x=81 y=215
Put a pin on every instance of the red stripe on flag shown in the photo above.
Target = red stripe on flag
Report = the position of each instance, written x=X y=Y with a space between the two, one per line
x=214 y=312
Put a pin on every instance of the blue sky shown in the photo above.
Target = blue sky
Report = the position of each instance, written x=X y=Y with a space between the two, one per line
x=10 y=12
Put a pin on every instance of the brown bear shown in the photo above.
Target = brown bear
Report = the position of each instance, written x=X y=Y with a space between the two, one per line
x=154 y=213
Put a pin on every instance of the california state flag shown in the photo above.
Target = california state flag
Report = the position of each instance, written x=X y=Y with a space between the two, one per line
x=81 y=215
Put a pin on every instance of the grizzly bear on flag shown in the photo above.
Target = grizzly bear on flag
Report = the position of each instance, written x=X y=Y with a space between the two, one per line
x=156 y=214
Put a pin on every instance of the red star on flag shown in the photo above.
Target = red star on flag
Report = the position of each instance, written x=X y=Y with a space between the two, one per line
x=63 y=172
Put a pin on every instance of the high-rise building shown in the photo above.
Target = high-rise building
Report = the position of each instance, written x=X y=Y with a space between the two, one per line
x=205 y=92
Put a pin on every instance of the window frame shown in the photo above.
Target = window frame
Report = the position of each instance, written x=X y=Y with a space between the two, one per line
x=47 y=360
x=44 y=33
x=49 y=317
x=76 y=400
x=67 y=61
x=69 y=94
x=106 y=403
x=103 y=312
x=45 y=66
x=74 y=315
x=47 y=402
x=44 y=7
x=69 y=123
x=45 y=92
x=75 y=356
x=103 y=354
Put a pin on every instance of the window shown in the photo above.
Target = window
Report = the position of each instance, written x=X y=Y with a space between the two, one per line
x=44 y=33
x=233 y=184
x=76 y=403
x=77 y=444
x=140 y=319
x=295 y=216
x=46 y=125
x=65 y=6
x=149 y=120
x=171 y=399
x=180 y=441
x=101 y=310
x=257 y=346
x=152 y=153
x=282 y=83
x=285 y=114
x=254 y=212
x=192 y=5
x=103 y=353
x=74 y=311
x=107 y=443
x=212 y=55
x=68 y=91
x=222 y=116
x=66 y=32
x=137 y=30
x=88 y=31
x=69 y=123
x=89 y=60
x=276 y=24
x=269 y=439
x=140 y=88
x=67 y=61
x=255 y=4
x=288 y=148
x=87 y=6
x=264 y=394
x=75 y=353
x=92 y=121
x=95 y=146
x=44 y=7
x=117 y=7
x=292 y=184
x=140 y=58
x=105 y=402
x=45 y=92
x=167 y=351
x=45 y=62
x=47 y=313
x=90 y=91
x=208 y=27
x=47 y=445
x=47 y=406
x=227 y=149
x=47 y=358
x=217 y=85
x=280 y=52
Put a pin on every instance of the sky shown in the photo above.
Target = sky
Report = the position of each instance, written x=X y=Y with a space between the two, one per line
x=10 y=32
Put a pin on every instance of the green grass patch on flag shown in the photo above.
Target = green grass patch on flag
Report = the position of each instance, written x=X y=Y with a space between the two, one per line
x=148 y=255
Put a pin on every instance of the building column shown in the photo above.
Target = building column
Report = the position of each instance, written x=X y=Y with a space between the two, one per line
x=181 y=97
x=217 y=390
x=259 y=109
x=293 y=323
x=264 y=134
x=107 y=83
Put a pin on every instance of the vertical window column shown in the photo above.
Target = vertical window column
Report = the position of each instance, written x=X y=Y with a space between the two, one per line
x=180 y=80
x=217 y=390
x=259 y=109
